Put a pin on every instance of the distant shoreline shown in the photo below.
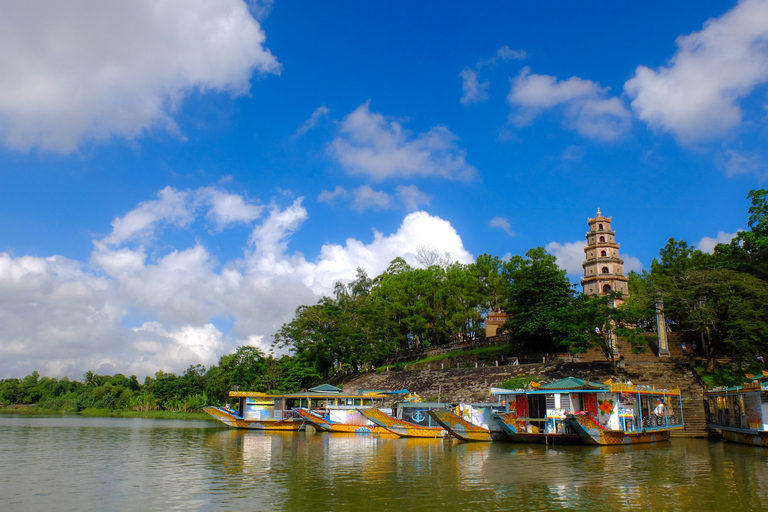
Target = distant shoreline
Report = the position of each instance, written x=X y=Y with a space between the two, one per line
x=33 y=410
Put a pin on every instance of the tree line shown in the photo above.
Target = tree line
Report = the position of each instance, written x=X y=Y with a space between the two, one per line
x=722 y=297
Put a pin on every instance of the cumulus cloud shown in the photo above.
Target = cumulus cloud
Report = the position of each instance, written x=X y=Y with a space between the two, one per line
x=123 y=311
x=368 y=143
x=326 y=196
x=570 y=256
x=366 y=198
x=587 y=108
x=501 y=223
x=695 y=95
x=411 y=197
x=178 y=208
x=89 y=70
x=708 y=243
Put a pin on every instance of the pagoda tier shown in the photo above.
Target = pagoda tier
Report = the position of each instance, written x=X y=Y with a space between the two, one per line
x=603 y=269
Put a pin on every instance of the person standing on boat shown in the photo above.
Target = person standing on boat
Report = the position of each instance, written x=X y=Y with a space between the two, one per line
x=659 y=410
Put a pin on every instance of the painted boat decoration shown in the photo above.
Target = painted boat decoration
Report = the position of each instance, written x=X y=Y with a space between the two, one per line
x=405 y=428
x=471 y=422
x=343 y=420
x=627 y=414
x=740 y=413
x=539 y=414
x=259 y=411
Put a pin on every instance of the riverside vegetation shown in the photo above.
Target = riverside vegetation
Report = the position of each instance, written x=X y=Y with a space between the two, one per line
x=405 y=310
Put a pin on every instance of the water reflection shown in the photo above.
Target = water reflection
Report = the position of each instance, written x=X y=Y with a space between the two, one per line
x=116 y=464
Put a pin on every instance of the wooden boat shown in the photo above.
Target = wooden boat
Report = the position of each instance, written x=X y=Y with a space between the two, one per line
x=472 y=422
x=740 y=413
x=627 y=414
x=259 y=411
x=341 y=420
x=414 y=411
x=538 y=414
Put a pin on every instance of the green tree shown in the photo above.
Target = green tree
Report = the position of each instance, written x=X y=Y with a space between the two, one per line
x=538 y=289
x=730 y=308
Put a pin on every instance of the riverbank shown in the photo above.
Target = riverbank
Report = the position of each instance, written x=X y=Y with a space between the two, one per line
x=33 y=410
x=474 y=384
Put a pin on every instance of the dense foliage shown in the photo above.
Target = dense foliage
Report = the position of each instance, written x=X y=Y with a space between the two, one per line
x=723 y=296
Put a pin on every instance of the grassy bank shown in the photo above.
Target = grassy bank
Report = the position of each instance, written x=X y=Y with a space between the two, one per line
x=34 y=410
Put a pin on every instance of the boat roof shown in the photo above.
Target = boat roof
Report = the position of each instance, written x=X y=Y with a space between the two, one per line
x=321 y=391
x=325 y=388
x=571 y=384
x=747 y=387
x=576 y=385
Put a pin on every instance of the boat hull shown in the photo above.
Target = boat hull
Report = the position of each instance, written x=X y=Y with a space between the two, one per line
x=742 y=436
x=325 y=425
x=464 y=430
x=402 y=428
x=229 y=419
x=517 y=430
x=592 y=432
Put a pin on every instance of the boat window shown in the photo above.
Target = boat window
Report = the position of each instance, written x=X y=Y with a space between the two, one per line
x=357 y=401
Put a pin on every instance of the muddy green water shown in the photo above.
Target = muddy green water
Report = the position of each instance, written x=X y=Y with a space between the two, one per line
x=71 y=463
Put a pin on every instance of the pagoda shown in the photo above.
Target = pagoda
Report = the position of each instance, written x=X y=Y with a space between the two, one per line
x=603 y=269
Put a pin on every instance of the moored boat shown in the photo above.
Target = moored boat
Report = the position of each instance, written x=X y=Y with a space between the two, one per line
x=538 y=413
x=627 y=414
x=415 y=412
x=472 y=422
x=740 y=413
x=341 y=420
x=260 y=411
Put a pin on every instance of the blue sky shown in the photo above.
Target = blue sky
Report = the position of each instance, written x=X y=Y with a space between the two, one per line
x=177 y=177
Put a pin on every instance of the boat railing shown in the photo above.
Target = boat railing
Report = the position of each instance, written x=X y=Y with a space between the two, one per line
x=667 y=420
x=726 y=420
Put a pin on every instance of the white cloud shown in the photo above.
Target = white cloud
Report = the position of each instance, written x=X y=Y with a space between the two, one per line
x=631 y=263
x=366 y=198
x=227 y=209
x=473 y=91
x=707 y=243
x=370 y=144
x=737 y=163
x=178 y=208
x=326 y=196
x=570 y=256
x=63 y=317
x=501 y=223
x=88 y=70
x=411 y=197
x=320 y=112
x=587 y=108
x=695 y=95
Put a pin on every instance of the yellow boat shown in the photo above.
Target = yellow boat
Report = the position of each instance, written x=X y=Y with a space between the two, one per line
x=401 y=427
x=260 y=411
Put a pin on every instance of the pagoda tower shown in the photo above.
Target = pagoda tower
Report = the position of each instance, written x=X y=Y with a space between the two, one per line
x=603 y=269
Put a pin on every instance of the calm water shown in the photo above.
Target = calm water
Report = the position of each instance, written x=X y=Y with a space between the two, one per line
x=71 y=463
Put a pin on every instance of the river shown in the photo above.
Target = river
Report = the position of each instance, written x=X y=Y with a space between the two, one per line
x=100 y=464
